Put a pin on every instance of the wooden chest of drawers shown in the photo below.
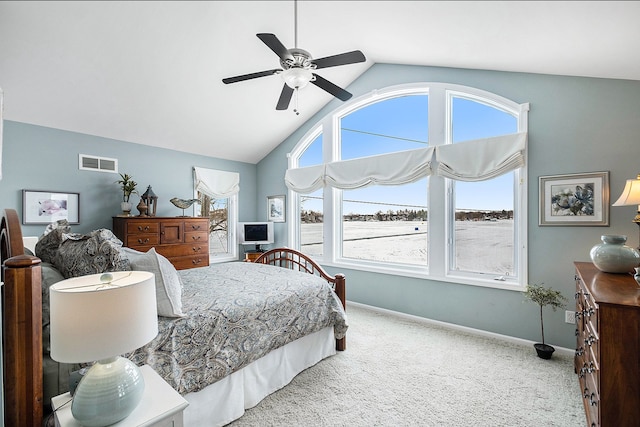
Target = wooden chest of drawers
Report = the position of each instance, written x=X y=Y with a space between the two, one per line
x=607 y=358
x=182 y=240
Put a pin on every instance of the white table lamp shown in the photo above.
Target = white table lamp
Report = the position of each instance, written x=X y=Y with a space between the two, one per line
x=631 y=196
x=98 y=318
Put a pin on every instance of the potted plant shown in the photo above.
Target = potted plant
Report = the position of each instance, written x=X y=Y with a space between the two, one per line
x=544 y=297
x=128 y=186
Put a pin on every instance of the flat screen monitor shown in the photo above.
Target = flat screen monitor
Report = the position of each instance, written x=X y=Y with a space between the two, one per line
x=256 y=233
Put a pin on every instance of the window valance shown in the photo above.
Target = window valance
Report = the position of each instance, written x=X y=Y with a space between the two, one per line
x=305 y=180
x=397 y=168
x=216 y=183
x=475 y=160
x=481 y=159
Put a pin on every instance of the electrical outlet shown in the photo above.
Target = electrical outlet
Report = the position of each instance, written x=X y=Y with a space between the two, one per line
x=570 y=317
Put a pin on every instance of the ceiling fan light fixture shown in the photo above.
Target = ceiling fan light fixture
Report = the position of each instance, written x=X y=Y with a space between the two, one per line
x=297 y=78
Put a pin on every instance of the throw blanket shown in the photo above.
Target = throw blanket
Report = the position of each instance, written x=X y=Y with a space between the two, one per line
x=236 y=313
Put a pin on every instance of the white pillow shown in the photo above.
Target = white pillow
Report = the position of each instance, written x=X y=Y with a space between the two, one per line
x=168 y=283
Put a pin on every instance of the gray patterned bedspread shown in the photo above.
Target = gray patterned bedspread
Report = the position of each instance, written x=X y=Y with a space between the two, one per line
x=236 y=313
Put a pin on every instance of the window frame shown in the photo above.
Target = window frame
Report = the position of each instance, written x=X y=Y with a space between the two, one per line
x=439 y=197
x=232 y=237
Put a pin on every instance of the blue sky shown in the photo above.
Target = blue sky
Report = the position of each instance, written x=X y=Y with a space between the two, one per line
x=402 y=124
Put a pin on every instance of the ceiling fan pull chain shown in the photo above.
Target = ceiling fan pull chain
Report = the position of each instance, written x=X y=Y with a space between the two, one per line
x=295 y=110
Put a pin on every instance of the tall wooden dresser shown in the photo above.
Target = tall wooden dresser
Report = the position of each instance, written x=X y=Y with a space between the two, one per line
x=182 y=240
x=607 y=358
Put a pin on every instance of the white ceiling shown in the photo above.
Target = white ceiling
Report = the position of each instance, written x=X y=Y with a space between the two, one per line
x=150 y=72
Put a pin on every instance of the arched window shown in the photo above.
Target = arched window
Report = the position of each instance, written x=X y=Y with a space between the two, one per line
x=425 y=180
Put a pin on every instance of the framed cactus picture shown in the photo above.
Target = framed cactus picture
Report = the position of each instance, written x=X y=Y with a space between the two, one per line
x=580 y=199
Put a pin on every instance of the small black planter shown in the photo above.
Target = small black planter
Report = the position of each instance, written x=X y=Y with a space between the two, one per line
x=544 y=350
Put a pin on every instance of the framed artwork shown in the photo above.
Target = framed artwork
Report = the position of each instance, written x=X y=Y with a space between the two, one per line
x=580 y=199
x=45 y=207
x=276 y=208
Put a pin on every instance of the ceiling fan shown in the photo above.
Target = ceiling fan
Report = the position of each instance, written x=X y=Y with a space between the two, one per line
x=298 y=68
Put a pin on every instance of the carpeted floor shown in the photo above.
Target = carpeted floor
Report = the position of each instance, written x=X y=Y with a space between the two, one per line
x=400 y=372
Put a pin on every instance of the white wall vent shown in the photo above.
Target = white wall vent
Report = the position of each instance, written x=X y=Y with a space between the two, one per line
x=95 y=163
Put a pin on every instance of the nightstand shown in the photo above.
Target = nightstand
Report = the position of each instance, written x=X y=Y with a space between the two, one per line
x=161 y=406
x=252 y=256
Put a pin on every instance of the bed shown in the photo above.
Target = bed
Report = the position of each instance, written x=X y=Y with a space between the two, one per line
x=218 y=388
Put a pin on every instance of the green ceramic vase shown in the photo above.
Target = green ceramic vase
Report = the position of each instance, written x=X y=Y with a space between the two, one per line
x=613 y=256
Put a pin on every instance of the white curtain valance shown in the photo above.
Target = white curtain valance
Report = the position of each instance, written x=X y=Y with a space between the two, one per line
x=305 y=180
x=475 y=160
x=215 y=183
x=397 y=168
x=481 y=159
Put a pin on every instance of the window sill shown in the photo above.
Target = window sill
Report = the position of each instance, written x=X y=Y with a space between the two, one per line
x=423 y=273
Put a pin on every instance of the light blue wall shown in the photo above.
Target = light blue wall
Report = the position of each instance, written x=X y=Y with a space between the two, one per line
x=41 y=158
x=575 y=125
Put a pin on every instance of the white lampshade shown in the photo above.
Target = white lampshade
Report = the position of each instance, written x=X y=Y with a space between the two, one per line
x=98 y=318
x=631 y=193
x=92 y=321
x=297 y=78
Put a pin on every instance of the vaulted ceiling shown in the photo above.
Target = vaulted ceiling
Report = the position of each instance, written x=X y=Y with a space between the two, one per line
x=151 y=72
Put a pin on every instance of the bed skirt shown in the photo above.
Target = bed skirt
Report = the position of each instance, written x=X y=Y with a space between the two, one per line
x=227 y=399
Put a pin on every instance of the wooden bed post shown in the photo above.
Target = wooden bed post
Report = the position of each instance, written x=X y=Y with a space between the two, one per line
x=22 y=328
x=341 y=291
x=23 y=341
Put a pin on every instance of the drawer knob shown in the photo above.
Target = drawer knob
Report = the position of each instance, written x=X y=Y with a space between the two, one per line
x=145 y=228
x=196 y=237
x=196 y=261
x=195 y=227
x=580 y=351
x=197 y=248
x=589 y=340
x=143 y=241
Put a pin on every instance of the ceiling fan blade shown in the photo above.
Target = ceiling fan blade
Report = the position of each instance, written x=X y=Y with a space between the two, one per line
x=340 y=59
x=250 y=76
x=275 y=45
x=285 y=98
x=334 y=90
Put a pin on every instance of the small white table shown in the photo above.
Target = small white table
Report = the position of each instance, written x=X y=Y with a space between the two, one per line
x=161 y=406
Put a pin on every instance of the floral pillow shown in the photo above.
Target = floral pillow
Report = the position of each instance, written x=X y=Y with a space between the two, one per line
x=93 y=253
x=48 y=244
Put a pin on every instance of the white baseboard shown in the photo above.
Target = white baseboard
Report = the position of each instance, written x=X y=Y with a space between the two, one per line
x=561 y=350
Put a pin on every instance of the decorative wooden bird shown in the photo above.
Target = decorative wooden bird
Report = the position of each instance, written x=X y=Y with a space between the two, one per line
x=183 y=204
